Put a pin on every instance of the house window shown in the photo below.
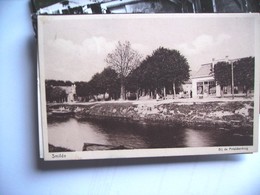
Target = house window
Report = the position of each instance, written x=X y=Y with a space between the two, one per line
x=212 y=87
x=200 y=88
x=206 y=87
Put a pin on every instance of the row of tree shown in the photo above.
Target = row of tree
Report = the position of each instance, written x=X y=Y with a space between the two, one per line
x=243 y=73
x=106 y=82
x=126 y=73
x=159 y=73
x=54 y=93
x=165 y=69
x=58 y=83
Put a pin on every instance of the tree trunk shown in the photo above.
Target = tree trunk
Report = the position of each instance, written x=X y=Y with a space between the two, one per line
x=137 y=94
x=122 y=91
x=173 y=90
x=247 y=90
x=164 y=92
x=156 y=94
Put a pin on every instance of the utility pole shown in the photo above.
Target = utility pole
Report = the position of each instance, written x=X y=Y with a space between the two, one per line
x=232 y=78
x=232 y=75
x=232 y=71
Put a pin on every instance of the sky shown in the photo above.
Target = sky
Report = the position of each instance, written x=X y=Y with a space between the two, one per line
x=74 y=48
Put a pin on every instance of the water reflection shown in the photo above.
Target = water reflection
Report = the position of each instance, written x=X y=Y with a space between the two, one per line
x=199 y=138
x=72 y=134
x=122 y=133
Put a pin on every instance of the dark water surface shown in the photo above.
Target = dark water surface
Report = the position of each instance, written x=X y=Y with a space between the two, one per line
x=72 y=134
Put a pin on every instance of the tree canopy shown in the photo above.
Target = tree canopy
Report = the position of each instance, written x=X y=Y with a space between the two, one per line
x=243 y=73
x=123 y=60
x=83 y=89
x=101 y=83
x=111 y=82
x=164 y=68
x=56 y=94
x=58 y=83
x=222 y=73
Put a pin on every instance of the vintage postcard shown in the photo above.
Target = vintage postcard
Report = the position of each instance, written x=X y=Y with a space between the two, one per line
x=134 y=86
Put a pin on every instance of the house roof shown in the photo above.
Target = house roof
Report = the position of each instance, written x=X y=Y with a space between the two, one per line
x=204 y=71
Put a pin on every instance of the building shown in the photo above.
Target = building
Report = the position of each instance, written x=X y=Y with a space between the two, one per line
x=70 y=92
x=203 y=82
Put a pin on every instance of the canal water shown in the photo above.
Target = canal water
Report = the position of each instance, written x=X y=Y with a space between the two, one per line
x=72 y=134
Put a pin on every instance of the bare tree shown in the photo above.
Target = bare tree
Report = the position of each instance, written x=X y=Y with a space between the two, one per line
x=123 y=60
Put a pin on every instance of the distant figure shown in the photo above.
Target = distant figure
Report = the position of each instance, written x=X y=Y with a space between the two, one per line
x=157 y=96
x=190 y=94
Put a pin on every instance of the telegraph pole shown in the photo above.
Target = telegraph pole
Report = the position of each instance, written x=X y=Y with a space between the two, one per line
x=232 y=71
x=232 y=75
x=232 y=78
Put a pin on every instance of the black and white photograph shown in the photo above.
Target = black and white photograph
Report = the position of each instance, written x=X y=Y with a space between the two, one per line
x=119 y=86
x=64 y=7
x=83 y=7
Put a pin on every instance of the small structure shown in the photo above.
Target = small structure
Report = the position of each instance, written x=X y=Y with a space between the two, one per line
x=203 y=82
x=70 y=92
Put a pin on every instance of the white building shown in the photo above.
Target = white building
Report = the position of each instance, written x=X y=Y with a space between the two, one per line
x=70 y=92
x=203 y=83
